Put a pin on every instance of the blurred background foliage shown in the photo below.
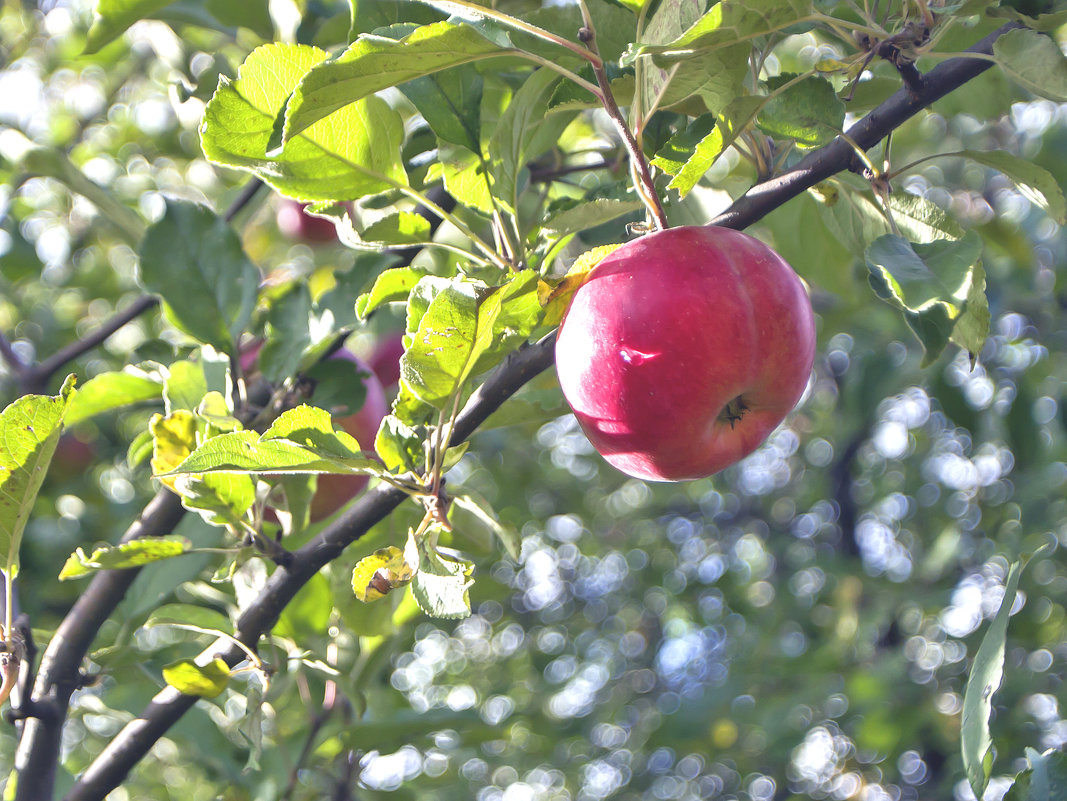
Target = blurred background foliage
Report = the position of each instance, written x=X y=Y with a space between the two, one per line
x=798 y=626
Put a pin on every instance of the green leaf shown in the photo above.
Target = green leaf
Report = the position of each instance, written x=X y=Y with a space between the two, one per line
x=124 y=555
x=391 y=286
x=455 y=330
x=373 y=63
x=205 y=681
x=194 y=261
x=113 y=390
x=385 y=570
x=919 y=275
x=588 y=214
x=450 y=102
x=525 y=131
x=933 y=284
x=308 y=614
x=184 y=387
x=808 y=112
x=399 y=447
x=403 y=228
x=222 y=499
x=353 y=153
x=288 y=333
x=302 y=440
x=976 y=744
x=481 y=511
x=729 y=22
x=112 y=17
x=187 y=614
x=440 y=586
x=29 y=431
x=1034 y=61
x=465 y=176
x=1044 y=780
x=1035 y=182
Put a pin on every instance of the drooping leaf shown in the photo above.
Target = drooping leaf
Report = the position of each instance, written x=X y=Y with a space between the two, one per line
x=113 y=390
x=987 y=670
x=524 y=132
x=222 y=499
x=125 y=555
x=204 y=681
x=29 y=431
x=352 y=153
x=441 y=584
x=195 y=262
x=587 y=215
x=728 y=22
x=450 y=103
x=184 y=387
x=479 y=510
x=1034 y=61
x=373 y=63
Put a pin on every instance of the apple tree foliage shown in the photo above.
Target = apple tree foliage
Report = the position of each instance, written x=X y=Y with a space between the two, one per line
x=870 y=606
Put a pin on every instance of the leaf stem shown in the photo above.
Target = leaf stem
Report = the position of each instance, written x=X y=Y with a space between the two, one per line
x=643 y=183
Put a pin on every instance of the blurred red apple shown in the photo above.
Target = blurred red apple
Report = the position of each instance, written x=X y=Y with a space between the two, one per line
x=384 y=360
x=295 y=223
x=684 y=349
x=334 y=491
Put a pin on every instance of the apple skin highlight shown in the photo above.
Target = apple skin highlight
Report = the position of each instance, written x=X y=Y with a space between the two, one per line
x=683 y=350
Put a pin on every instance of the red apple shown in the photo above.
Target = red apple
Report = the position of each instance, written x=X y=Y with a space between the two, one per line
x=684 y=349
x=334 y=491
x=384 y=360
x=295 y=223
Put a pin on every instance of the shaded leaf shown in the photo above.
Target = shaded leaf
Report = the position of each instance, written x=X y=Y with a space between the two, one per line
x=194 y=261
x=1034 y=181
x=187 y=614
x=1034 y=61
x=809 y=112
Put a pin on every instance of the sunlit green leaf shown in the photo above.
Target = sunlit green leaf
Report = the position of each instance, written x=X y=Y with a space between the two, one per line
x=29 y=431
x=205 y=681
x=113 y=390
x=125 y=555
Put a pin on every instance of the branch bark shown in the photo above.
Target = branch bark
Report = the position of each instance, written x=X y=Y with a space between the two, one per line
x=112 y=765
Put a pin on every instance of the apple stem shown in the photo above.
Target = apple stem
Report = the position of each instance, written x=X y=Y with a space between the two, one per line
x=640 y=172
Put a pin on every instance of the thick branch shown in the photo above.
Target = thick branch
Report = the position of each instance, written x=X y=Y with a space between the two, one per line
x=60 y=671
x=837 y=156
x=134 y=741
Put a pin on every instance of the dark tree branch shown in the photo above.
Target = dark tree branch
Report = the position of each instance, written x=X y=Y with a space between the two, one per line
x=763 y=198
x=60 y=671
x=36 y=378
x=132 y=743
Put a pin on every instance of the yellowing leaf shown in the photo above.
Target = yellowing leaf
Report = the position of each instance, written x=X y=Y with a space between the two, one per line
x=380 y=573
x=555 y=299
x=173 y=439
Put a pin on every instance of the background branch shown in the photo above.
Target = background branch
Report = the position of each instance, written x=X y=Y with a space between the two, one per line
x=131 y=744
